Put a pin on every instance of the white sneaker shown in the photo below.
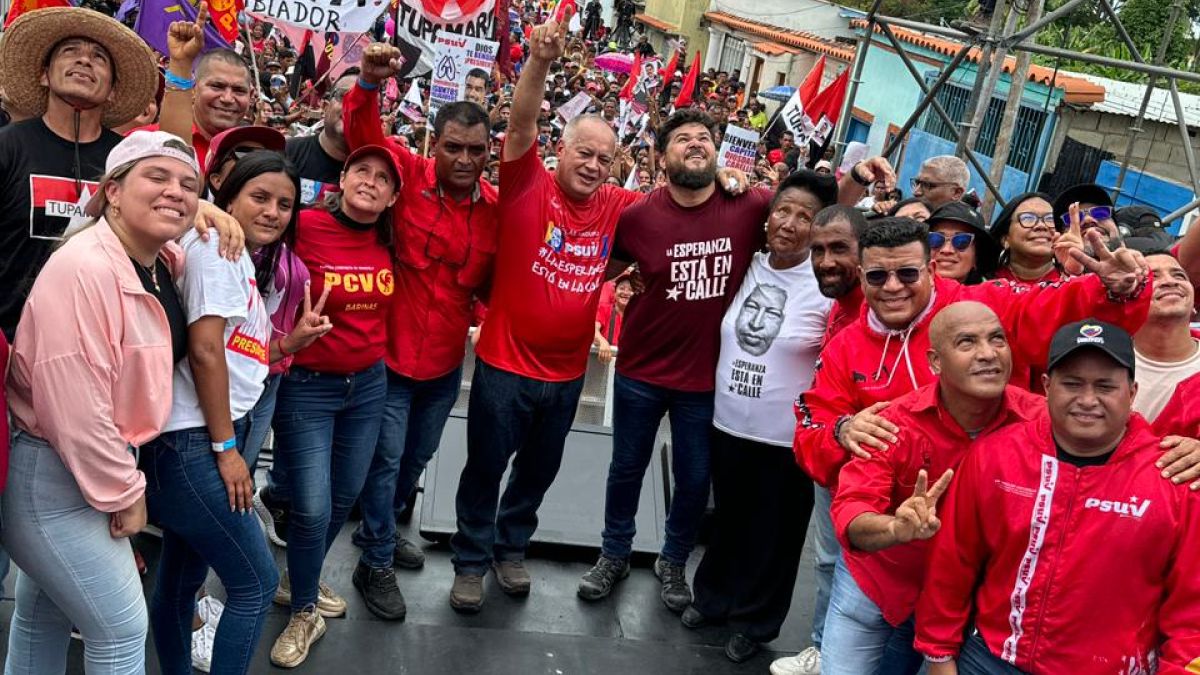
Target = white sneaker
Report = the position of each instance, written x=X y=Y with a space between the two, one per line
x=202 y=646
x=209 y=610
x=807 y=662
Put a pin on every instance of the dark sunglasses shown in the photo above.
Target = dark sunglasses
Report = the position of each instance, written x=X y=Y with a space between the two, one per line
x=1029 y=220
x=1096 y=212
x=905 y=275
x=961 y=241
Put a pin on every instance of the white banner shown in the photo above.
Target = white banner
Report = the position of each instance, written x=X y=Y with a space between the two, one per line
x=739 y=148
x=420 y=21
x=575 y=107
x=455 y=57
x=796 y=120
x=320 y=16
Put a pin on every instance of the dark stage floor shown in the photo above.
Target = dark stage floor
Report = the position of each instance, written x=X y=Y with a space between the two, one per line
x=551 y=631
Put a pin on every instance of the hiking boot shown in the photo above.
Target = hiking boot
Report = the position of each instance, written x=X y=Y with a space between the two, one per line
x=513 y=577
x=408 y=555
x=676 y=594
x=292 y=645
x=467 y=593
x=380 y=592
x=598 y=582
x=807 y=662
x=274 y=516
x=329 y=604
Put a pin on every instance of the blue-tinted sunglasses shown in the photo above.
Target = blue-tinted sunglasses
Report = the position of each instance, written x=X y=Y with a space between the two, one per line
x=961 y=241
x=1096 y=212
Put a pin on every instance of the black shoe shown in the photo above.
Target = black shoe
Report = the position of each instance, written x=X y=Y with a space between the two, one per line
x=407 y=554
x=380 y=592
x=676 y=594
x=740 y=648
x=599 y=581
x=692 y=618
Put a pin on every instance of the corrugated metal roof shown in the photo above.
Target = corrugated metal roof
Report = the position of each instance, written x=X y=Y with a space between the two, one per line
x=1125 y=98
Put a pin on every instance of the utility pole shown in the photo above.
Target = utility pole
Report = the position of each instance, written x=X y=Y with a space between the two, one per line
x=981 y=92
x=1011 y=108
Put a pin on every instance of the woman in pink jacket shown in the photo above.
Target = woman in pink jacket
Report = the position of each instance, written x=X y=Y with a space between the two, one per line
x=91 y=380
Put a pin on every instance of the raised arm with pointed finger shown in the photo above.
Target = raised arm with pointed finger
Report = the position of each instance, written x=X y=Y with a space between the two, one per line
x=545 y=45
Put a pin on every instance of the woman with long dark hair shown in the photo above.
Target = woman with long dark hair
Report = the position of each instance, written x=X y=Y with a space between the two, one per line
x=331 y=400
x=199 y=486
x=1026 y=230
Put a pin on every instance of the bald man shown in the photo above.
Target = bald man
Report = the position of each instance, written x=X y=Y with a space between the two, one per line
x=886 y=506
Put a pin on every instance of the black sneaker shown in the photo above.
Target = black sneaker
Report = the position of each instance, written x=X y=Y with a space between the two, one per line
x=676 y=594
x=599 y=581
x=274 y=515
x=407 y=554
x=380 y=592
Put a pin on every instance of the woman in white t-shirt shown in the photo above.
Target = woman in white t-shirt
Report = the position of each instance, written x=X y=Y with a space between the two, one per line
x=198 y=485
x=770 y=341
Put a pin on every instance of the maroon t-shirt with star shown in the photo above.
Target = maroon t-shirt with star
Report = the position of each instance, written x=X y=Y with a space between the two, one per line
x=692 y=261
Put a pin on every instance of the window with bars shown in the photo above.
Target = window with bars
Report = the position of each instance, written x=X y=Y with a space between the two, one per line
x=733 y=53
x=1022 y=152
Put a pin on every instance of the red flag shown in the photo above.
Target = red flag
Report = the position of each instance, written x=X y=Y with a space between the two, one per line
x=634 y=73
x=668 y=73
x=812 y=82
x=828 y=103
x=224 y=14
x=19 y=7
x=689 y=84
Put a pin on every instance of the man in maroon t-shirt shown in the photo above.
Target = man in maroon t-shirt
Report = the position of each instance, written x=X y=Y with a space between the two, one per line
x=693 y=244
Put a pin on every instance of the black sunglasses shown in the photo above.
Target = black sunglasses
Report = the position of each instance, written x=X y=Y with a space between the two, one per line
x=961 y=241
x=905 y=275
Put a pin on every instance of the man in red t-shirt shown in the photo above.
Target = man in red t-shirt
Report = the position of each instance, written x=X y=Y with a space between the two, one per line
x=557 y=232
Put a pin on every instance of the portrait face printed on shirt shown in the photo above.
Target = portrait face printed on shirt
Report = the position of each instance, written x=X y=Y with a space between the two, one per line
x=969 y=352
x=1090 y=397
x=951 y=262
x=760 y=318
x=834 y=250
x=690 y=157
x=896 y=302
x=80 y=72
x=1174 y=295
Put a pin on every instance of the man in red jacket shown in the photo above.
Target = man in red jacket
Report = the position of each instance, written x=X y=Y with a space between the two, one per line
x=881 y=519
x=1061 y=539
x=872 y=361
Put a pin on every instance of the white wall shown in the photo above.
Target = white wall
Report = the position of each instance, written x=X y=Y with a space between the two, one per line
x=813 y=16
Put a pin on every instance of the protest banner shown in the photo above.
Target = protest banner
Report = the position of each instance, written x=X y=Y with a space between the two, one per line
x=455 y=58
x=419 y=22
x=738 y=148
x=320 y=16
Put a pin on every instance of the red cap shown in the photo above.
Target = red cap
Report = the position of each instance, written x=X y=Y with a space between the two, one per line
x=377 y=151
x=775 y=156
x=515 y=53
x=227 y=141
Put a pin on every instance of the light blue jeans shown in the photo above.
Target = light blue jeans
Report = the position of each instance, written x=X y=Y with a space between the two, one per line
x=72 y=573
x=858 y=640
x=827 y=551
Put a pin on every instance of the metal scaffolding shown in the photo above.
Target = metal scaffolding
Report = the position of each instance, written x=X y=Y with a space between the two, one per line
x=994 y=44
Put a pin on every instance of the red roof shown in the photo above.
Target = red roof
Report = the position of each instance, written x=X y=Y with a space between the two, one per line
x=656 y=23
x=1075 y=89
x=773 y=48
x=783 y=36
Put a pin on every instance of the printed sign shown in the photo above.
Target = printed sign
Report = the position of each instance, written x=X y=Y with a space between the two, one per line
x=457 y=57
x=738 y=148
x=321 y=16
x=419 y=22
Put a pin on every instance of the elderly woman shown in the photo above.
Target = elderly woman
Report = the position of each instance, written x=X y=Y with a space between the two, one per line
x=770 y=340
x=1027 y=229
x=90 y=380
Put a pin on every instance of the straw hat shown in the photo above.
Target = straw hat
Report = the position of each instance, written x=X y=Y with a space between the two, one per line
x=27 y=43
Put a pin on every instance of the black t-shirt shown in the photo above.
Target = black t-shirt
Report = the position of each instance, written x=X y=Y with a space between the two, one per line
x=1076 y=460
x=40 y=192
x=168 y=297
x=319 y=173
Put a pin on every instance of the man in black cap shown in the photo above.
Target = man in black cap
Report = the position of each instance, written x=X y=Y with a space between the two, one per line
x=960 y=243
x=1067 y=496
x=1095 y=210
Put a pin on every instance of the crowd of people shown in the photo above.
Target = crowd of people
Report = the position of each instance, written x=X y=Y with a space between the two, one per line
x=989 y=423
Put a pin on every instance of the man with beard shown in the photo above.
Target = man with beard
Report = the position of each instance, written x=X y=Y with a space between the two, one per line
x=319 y=157
x=693 y=244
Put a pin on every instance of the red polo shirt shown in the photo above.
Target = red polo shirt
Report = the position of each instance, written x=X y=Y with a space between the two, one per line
x=445 y=250
x=929 y=439
x=845 y=310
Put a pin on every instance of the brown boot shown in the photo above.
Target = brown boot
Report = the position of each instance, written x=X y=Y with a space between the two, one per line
x=513 y=577
x=467 y=593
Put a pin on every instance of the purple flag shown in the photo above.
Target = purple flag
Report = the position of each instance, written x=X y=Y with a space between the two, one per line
x=156 y=16
x=126 y=7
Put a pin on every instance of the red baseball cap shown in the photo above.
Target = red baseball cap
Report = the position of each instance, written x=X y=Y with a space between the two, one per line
x=377 y=151
x=229 y=140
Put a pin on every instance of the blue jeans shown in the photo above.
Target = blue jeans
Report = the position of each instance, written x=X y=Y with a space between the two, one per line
x=827 y=551
x=72 y=572
x=976 y=659
x=412 y=427
x=185 y=494
x=259 y=422
x=508 y=414
x=326 y=428
x=858 y=640
x=638 y=409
